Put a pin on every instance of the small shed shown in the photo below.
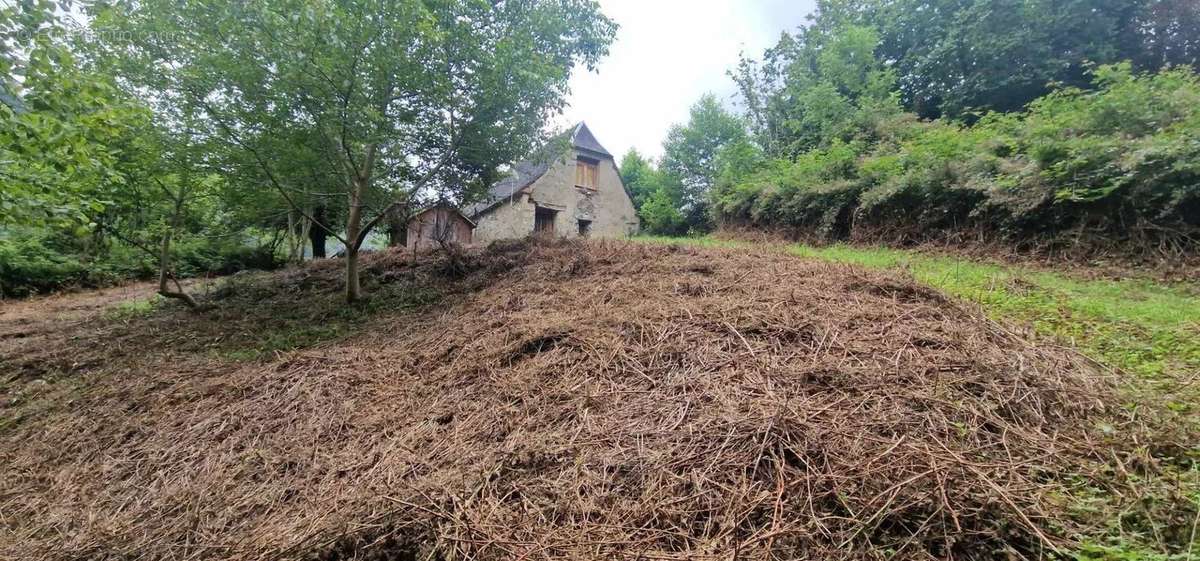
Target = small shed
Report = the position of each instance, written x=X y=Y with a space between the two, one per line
x=439 y=225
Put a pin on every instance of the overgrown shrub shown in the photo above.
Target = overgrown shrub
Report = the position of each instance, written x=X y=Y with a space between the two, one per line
x=33 y=262
x=200 y=256
x=29 y=265
x=1120 y=163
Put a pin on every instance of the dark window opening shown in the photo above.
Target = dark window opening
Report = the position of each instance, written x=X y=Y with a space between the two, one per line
x=543 y=220
x=585 y=228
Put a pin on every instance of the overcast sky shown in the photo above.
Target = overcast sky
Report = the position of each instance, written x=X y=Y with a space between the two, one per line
x=667 y=53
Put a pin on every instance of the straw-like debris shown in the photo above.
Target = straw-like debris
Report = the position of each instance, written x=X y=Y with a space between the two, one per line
x=588 y=401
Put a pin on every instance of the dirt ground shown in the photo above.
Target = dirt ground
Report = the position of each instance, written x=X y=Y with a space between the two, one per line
x=22 y=318
x=560 y=400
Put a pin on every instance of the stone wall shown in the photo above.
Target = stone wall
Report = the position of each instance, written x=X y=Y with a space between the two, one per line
x=506 y=220
x=608 y=207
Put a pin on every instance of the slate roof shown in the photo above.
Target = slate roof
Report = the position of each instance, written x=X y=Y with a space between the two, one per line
x=584 y=139
x=524 y=173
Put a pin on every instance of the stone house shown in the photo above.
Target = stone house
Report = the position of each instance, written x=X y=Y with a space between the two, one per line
x=576 y=193
x=436 y=226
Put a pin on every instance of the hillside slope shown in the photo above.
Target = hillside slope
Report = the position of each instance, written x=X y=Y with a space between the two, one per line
x=546 y=401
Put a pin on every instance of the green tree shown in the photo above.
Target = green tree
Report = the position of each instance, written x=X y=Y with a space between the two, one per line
x=1105 y=167
x=59 y=122
x=399 y=97
x=657 y=199
x=76 y=152
x=639 y=176
x=953 y=57
x=690 y=152
x=660 y=214
x=808 y=94
x=738 y=160
x=173 y=193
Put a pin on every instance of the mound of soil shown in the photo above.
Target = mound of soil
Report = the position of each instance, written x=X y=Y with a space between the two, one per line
x=584 y=401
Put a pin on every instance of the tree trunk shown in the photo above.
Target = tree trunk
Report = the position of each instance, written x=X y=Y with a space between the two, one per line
x=355 y=236
x=317 y=233
x=397 y=229
x=164 y=261
x=353 y=287
x=353 y=227
x=297 y=234
x=291 y=235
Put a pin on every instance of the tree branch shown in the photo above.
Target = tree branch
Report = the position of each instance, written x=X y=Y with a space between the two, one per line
x=262 y=163
x=117 y=234
x=366 y=229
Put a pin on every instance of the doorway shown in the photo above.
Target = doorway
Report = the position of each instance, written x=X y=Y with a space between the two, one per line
x=543 y=221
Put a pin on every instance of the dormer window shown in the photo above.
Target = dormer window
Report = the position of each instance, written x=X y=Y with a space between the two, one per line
x=585 y=173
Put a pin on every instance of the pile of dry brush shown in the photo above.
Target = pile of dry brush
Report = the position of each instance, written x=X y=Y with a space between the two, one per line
x=601 y=400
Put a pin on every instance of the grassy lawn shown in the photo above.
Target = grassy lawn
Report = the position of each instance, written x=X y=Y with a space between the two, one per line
x=1143 y=327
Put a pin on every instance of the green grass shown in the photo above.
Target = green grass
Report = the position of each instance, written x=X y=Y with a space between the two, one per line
x=133 y=308
x=1140 y=326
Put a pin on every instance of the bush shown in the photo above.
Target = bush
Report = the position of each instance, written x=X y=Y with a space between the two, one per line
x=199 y=256
x=36 y=262
x=1121 y=162
x=29 y=265
x=660 y=214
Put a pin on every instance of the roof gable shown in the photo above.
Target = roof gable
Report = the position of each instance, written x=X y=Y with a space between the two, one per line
x=583 y=139
x=525 y=172
x=446 y=206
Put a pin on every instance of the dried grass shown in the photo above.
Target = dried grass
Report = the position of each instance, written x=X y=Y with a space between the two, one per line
x=606 y=400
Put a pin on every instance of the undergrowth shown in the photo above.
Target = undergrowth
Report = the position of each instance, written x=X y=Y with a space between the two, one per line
x=1082 y=171
x=130 y=309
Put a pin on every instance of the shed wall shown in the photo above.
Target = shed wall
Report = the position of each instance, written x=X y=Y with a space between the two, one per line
x=429 y=229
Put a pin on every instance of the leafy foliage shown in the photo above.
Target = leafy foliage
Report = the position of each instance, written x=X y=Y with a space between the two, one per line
x=660 y=214
x=91 y=173
x=689 y=165
x=656 y=196
x=1045 y=134
x=374 y=102
x=33 y=261
x=1117 y=162
x=29 y=265
x=60 y=123
x=202 y=134
x=639 y=176
x=953 y=57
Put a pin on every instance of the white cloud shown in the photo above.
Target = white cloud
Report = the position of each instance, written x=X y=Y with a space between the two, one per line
x=666 y=55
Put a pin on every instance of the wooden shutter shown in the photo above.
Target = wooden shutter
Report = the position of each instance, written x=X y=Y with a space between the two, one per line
x=585 y=174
